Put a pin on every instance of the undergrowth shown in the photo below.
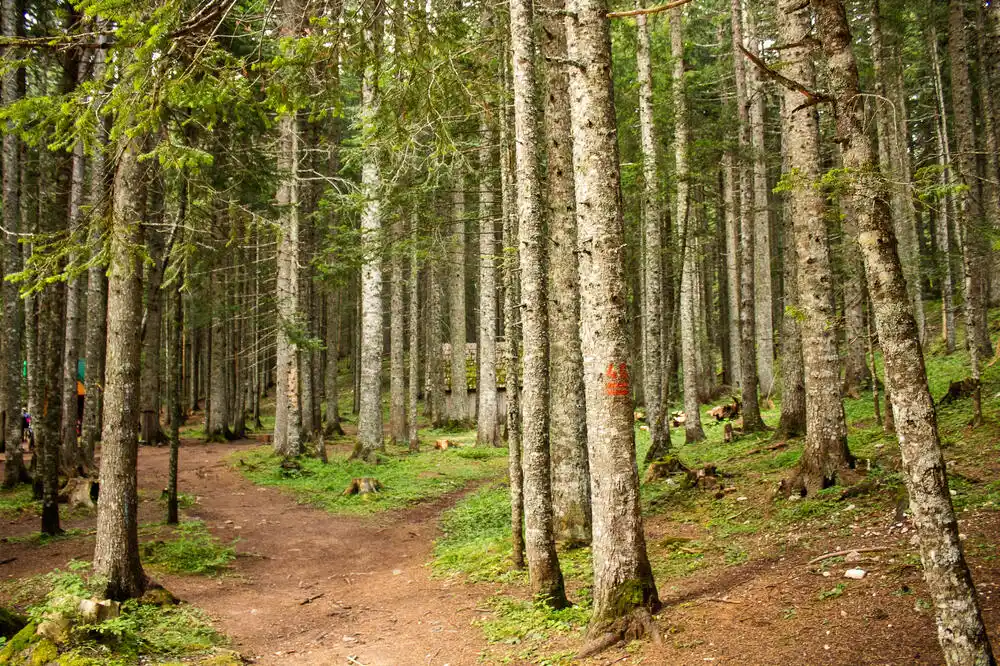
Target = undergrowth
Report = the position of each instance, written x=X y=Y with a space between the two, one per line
x=477 y=538
x=142 y=633
x=193 y=550
x=406 y=478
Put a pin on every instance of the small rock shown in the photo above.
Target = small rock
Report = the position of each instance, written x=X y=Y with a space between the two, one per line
x=794 y=497
x=853 y=556
x=953 y=493
x=963 y=537
x=855 y=574
x=826 y=574
x=742 y=499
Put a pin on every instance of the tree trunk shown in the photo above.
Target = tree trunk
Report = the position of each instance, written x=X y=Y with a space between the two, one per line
x=970 y=201
x=855 y=365
x=116 y=551
x=752 y=421
x=456 y=305
x=730 y=197
x=960 y=626
x=893 y=155
x=217 y=422
x=72 y=459
x=333 y=306
x=652 y=260
x=689 y=337
x=149 y=378
x=764 y=298
x=624 y=591
x=825 y=455
x=12 y=325
x=946 y=218
x=370 y=390
x=487 y=425
x=567 y=416
x=792 y=422
x=543 y=564
x=397 y=339
x=176 y=394
x=414 y=337
x=512 y=329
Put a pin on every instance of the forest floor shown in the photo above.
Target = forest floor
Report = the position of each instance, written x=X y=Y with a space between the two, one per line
x=321 y=579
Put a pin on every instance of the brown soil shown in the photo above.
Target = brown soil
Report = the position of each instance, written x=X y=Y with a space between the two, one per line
x=307 y=587
x=313 y=588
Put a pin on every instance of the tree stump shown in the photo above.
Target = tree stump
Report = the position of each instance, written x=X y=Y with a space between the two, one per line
x=662 y=468
x=80 y=491
x=363 y=486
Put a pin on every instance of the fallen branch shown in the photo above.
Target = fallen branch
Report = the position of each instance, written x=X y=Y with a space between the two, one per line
x=649 y=11
x=723 y=601
x=354 y=661
x=309 y=600
x=837 y=553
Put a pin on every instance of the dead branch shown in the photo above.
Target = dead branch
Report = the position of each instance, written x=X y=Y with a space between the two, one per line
x=812 y=97
x=651 y=10
x=837 y=553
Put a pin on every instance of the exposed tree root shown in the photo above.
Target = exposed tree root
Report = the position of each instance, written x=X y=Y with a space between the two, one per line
x=639 y=623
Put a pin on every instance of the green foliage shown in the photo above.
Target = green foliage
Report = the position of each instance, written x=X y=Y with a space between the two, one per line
x=477 y=538
x=517 y=621
x=193 y=551
x=833 y=592
x=16 y=502
x=406 y=478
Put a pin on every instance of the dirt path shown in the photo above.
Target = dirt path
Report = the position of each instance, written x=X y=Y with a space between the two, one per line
x=369 y=591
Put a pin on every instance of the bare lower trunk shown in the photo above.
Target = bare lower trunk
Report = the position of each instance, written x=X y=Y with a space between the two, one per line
x=511 y=331
x=487 y=423
x=792 y=422
x=116 y=550
x=413 y=386
x=960 y=625
x=825 y=454
x=764 y=297
x=624 y=591
x=543 y=564
x=333 y=305
x=12 y=325
x=72 y=459
x=652 y=260
x=946 y=218
x=397 y=340
x=568 y=422
x=287 y=418
x=370 y=390
x=731 y=196
x=176 y=392
x=456 y=305
x=855 y=366
x=748 y=328
x=970 y=201
x=689 y=337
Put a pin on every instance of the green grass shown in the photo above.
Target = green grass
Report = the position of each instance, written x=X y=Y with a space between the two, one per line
x=477 y=538
x=406 y=478
x=16 y=502
x=193 y=551
x=516 y=621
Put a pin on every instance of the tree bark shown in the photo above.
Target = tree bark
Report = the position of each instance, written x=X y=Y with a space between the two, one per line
x=456 y=304
x=652 y=260
x=413 y=386
x=764 y=297
x=693 y=431
x=487 y=423
x=13 y=316
x=624 y=591
x=116 y=551
x=370 y=437
x=567 y=416
x=397 y=337
x=512 y=329
x=72 y=459
x=960 y=626
x=970 y=201
x=543 y=563
x=752 y=421
x=825 y=455
x=730 y=197
x=792 y=422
